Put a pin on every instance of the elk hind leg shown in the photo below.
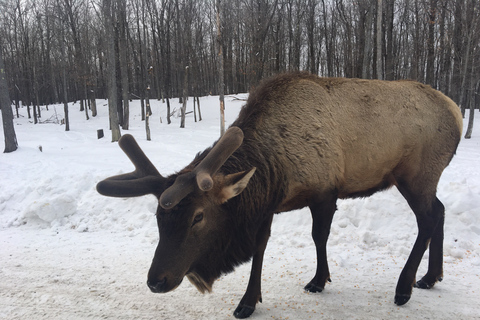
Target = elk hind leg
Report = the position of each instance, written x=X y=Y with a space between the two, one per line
x=435 y=259
x=429 y=212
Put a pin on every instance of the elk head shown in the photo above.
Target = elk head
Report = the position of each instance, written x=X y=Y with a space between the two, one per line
x=192 y=219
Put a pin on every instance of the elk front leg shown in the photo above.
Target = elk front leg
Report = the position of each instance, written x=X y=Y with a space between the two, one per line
x=322 y=214
x=254 y=293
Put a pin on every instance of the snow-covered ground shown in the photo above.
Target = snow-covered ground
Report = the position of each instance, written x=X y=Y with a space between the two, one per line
x=68 y=253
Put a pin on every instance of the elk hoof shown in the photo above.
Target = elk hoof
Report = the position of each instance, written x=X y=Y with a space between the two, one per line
x=243 y=311
x=401 y=299
x=424 y=284
x=311 y=287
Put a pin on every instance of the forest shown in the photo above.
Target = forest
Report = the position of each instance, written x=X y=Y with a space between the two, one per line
x=81 y=50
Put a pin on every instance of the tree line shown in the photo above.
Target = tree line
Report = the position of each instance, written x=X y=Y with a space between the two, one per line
x=80 y=50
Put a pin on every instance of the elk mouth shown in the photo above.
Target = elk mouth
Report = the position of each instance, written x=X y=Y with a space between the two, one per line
x=201 y=284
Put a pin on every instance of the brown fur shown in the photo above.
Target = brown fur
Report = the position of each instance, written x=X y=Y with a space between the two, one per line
x=351 y=135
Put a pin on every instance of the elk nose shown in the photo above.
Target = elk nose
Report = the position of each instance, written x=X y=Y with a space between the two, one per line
x=157 y=286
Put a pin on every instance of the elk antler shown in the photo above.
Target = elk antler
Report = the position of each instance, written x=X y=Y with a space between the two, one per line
x=202 y=174
x=145 y=179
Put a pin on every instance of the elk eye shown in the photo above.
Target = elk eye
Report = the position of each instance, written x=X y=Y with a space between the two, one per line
x=197 y=218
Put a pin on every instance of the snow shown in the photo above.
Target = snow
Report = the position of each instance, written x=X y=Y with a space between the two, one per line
x=67 y=252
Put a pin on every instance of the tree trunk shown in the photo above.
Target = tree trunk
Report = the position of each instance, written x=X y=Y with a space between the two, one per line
x=415 y=73
x=221 y=84
x=473 y=101
x=92 y=98
x=148 y=111
x=65 y=101
x=379 y=39
x=141 y=69
x=118 y=74
x=168 y=111
x=311 y=37
x=199 y=112
x=445 y=56
x=35 y=95
x=147 y=126
x=17 y=100
x=194 y=108
x=366 y=63
x=112 y=85
x=458 y=52
x=389 y=56
x=123 y=63
x=86 y=100
x=7 y=113
x=328 y=42
x=168 y=68
x=94 y=107
x=431 y=44
x=185 y=94
x=64 y=80
x=463 y=96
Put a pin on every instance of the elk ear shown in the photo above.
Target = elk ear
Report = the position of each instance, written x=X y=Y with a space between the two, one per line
x=235 y=183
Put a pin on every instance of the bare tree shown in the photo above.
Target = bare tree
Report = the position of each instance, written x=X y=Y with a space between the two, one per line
x=7 y=113
x=183 y=109
x=260 y=15
x=108 y=12
x=63 y=44
x=311 y=32
x=365 y=27
x=379 y=39
x=474 y=100
x=122 y=48
x=221 y=83
x=432 y=14
x=329 y=43
x=389 y=50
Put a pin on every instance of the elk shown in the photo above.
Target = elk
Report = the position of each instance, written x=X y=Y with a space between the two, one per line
x=300 y=140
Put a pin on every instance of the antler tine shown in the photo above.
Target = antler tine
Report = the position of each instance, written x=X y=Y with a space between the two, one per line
x=143 y=180
x=143 y=165
x=184 y=184
x=225 y=147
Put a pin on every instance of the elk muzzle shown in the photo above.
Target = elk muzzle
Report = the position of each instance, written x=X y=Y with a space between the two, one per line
x=164 y=282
